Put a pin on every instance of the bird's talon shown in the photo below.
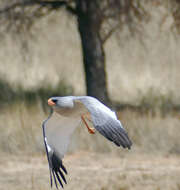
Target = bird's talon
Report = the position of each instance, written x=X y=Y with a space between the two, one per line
x=91 y=130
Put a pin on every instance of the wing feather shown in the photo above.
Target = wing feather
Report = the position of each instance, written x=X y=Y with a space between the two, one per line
x=106 y=122
x=57 y=131
x=55 y=180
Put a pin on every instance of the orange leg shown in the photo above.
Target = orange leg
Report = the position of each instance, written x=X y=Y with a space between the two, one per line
x=90 y=129
x=88 y=117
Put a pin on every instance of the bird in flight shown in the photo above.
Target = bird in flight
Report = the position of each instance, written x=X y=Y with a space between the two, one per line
x=67 y=113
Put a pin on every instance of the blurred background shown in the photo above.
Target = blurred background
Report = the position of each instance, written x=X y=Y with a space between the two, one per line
x=42 y=56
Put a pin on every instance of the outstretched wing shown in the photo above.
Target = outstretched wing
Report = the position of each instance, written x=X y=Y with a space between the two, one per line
x=106 y=122
x=113 y=130
x=57 y=131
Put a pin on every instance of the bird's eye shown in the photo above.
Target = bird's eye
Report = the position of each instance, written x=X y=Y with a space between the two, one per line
x=54 y=100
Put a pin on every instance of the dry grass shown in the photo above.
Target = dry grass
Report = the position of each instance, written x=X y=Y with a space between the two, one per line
x=93 y=162
x=21 y=129
x=21 y=125
x=153 y=134
x=93 y=172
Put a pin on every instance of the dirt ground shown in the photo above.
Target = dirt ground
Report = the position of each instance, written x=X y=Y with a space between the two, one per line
x=91 y=171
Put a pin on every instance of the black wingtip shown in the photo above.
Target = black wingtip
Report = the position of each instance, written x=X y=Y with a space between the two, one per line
x=129 y=142
x=64 y=169
x=55 y=180
x=57 y=170
x=121 y=139
x=59 y=180
x=126 y=142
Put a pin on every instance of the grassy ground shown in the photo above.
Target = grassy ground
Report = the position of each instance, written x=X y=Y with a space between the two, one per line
x=93 y=162
x=90 y=171
x=21 y=125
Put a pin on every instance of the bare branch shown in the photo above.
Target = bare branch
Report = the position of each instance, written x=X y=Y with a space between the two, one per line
x=48 y=4
x=110 y=32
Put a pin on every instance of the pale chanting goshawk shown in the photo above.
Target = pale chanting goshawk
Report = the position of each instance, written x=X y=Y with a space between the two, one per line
x=67 y=113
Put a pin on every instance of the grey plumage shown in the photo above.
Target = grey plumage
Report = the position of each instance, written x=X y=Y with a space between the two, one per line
x=106 y=122
x=66 y=116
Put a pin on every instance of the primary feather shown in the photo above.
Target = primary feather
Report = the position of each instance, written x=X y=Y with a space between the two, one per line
x=106 y=122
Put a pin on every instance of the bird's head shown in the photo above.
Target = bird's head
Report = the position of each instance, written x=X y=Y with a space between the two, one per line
x=61 y=102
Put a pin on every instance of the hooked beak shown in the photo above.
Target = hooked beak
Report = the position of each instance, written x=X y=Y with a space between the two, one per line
x=50 y=102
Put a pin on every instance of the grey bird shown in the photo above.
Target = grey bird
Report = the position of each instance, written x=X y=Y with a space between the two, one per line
x=67 y=113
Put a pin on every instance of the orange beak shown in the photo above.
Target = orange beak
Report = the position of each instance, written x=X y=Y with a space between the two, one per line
x=50 y=102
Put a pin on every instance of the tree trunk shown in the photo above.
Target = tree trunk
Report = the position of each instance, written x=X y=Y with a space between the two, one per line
x=93 y=53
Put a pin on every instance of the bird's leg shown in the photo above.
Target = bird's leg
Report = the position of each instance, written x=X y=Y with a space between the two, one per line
x=88 y=117
x=90 y=129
